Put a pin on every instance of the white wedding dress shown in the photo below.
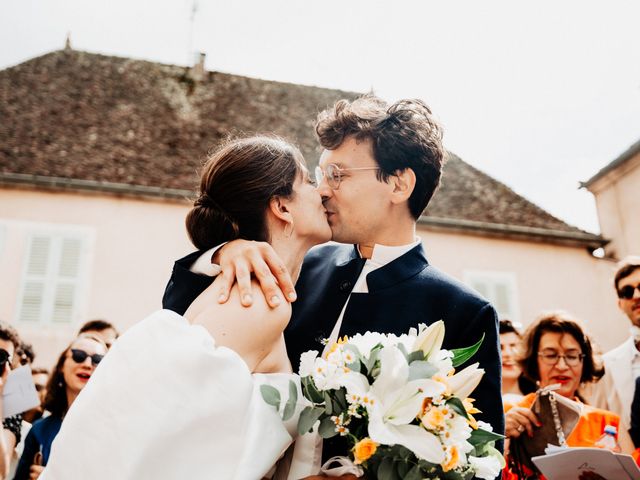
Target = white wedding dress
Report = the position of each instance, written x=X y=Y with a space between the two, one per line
x=167 y=403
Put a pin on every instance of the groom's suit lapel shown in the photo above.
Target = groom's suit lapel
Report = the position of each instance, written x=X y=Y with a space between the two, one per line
x=374 y=311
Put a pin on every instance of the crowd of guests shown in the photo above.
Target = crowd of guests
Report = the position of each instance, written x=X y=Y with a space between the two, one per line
x=556 y=351
x=26 y=438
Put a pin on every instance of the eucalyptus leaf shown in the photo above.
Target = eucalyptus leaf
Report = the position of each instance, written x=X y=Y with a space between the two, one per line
x=420 y=369
x=480 y=435
x=402 y=467
x=290 y=406
x=413 y=474
x=308 y=418
x=461 y=355
x=328 y=403
x=327 y=428
x=418 y=355
x=271 y=395
x=456 y=404
x=310 y=390
x=386 y=470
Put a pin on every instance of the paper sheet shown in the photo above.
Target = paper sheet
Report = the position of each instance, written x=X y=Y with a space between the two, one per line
x=19 y=393
x=581 y=463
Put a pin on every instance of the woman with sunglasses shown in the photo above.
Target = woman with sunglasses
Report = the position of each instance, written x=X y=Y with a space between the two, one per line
x=11 y=432
x=558 y=351
x=182 y=396
x=73 y=370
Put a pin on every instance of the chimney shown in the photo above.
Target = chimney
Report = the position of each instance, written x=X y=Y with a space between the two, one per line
x=197 y=71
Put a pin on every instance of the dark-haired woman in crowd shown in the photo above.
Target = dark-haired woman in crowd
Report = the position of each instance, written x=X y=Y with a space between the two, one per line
x=175 y=397
x=73 y=369
x=514 y=384
x=558 y=351
x=11 y=426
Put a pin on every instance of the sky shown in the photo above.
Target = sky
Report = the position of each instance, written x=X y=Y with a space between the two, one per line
x=540 y=95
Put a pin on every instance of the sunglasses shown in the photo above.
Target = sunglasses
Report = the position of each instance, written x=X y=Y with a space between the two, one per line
x=628 y=291
x=4 y=356
x=79 y=356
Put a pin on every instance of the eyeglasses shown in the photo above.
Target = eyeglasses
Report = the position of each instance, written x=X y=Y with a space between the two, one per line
x=4 y=356
x=573 y=359
x=333 y=173
x=79 y=356
x=628 y=291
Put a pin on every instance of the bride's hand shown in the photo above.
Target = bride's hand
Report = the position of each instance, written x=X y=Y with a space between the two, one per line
x=239 y=258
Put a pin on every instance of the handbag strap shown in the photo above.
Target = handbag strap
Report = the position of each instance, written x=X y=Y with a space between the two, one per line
x=557 y=423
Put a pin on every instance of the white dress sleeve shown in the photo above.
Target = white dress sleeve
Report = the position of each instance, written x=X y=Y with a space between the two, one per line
x=166 y=403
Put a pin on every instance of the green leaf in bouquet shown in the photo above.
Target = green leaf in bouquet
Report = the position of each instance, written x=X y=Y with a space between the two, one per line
x=386 y=470
x=402 y=468
x=456 y=404
x=310 y=391
x=415 y=473
x=480 y=436
x=290 y=406
x=370 y=362
x=340 y=401
x=461 y=355
x=327 y=428
x=308 y=418
x=328 y=403
x=421 y=369
x=416 y=356
x=271 y=395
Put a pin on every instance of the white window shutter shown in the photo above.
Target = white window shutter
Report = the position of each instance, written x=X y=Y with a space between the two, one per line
x=52 y=277
x=32 y=300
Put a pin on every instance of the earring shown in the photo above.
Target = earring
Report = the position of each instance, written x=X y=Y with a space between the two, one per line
x=288 y=235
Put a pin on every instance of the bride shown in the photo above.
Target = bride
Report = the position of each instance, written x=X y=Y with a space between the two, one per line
x=179 y=397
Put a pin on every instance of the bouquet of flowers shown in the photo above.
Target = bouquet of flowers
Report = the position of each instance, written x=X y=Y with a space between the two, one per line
x=405 y=412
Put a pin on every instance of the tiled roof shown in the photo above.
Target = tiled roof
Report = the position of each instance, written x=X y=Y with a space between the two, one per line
x=80 y=120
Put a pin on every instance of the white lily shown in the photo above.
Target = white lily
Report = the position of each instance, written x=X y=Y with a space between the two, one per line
x=395 y=402
x=465 y=381
x=430 y=339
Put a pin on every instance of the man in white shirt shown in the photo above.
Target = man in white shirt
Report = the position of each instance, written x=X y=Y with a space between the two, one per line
x=622 y=364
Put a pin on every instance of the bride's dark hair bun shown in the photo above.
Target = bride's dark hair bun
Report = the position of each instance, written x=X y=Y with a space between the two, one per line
x=238 y=181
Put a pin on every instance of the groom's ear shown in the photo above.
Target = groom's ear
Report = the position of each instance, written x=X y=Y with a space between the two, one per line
x=279 y=208
x=403 y=182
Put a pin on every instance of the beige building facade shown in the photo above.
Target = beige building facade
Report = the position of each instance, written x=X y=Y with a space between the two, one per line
x=67 y=257
x=616 y=189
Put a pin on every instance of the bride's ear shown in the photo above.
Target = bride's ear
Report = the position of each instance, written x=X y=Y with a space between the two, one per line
x=279 y=208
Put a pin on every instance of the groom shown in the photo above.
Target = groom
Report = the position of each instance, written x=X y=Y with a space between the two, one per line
x=380 y=167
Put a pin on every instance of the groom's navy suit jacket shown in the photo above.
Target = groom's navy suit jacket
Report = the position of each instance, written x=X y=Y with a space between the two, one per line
x=402 y=294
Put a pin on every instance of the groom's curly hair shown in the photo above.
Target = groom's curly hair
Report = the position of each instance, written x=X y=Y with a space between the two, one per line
x=403 y=135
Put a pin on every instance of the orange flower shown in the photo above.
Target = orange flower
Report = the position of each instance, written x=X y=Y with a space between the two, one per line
x=452 y=460
x=364 y=450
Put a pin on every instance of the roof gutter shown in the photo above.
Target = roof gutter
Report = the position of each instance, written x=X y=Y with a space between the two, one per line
x=92 y=186
x=518 y=232
x=497 y=230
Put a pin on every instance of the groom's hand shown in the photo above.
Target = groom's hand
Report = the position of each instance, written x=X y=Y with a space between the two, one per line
x=238 y=259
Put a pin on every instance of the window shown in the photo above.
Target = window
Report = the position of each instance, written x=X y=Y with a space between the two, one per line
x=54 y=276
x=499 y=288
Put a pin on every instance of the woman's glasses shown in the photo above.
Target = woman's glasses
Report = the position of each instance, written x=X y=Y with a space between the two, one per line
x=79 y=356
x=628 y=291
x=551 y=357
